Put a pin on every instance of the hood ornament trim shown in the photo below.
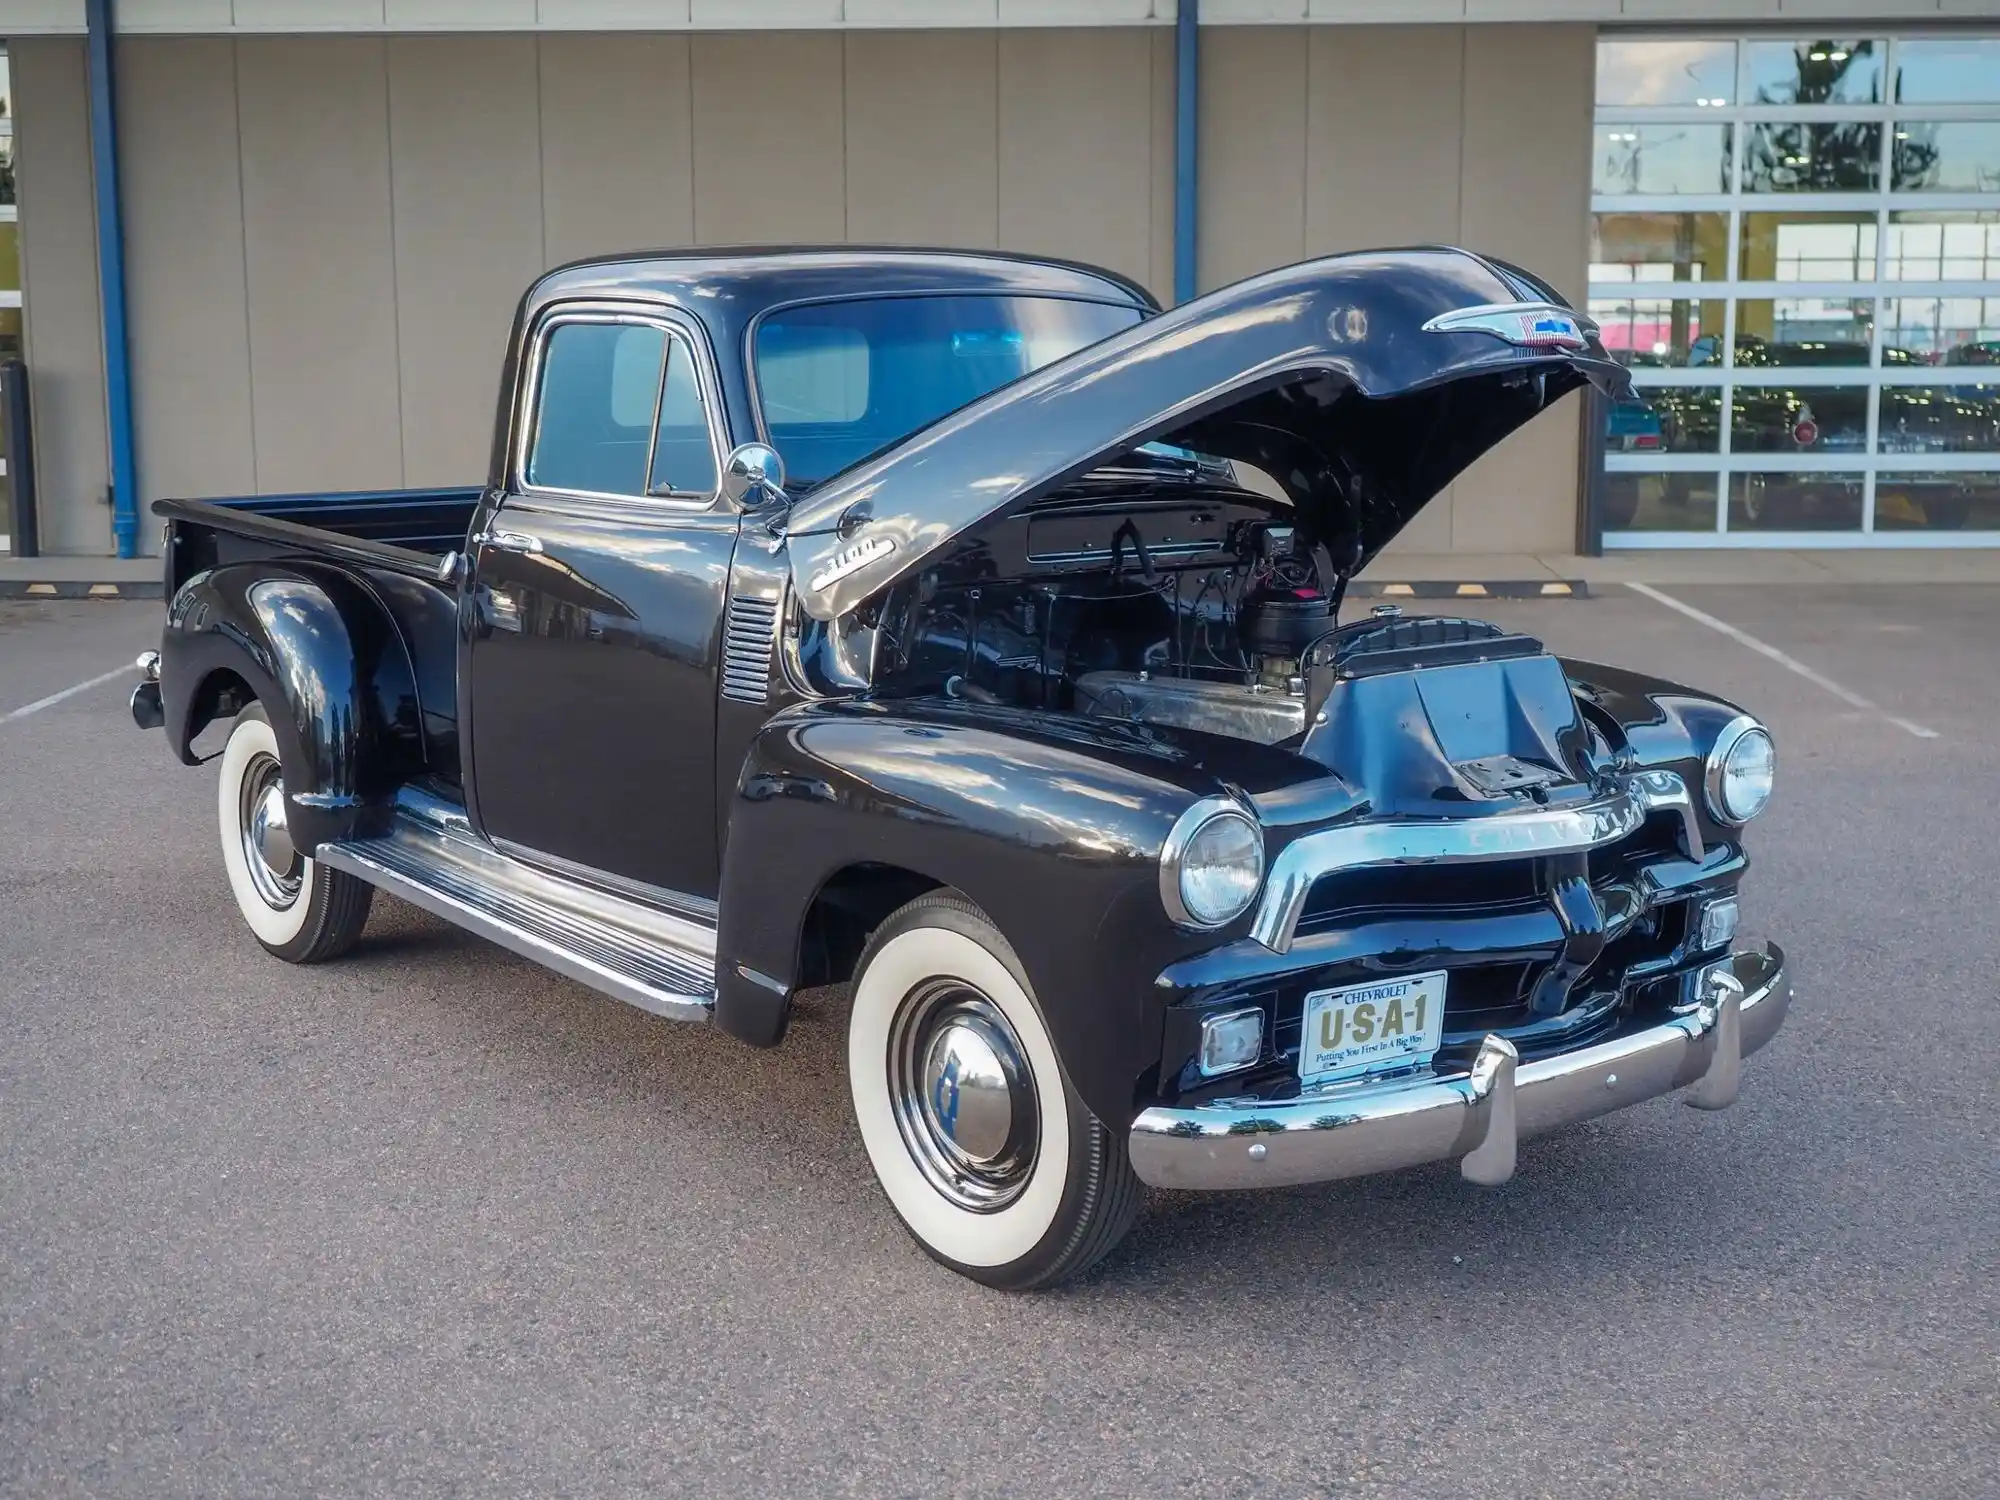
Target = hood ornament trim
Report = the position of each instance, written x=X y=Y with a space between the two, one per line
x=1527 y=325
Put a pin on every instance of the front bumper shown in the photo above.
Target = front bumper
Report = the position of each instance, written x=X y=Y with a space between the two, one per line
x=1350 y=1130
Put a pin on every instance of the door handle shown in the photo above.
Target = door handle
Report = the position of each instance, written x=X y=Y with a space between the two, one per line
x=509 y=541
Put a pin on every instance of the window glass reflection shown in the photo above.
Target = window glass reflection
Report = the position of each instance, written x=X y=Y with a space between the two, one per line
x=1812 y=157
x=1660 y=332
x=1953 y=156
x=1799 y=419
x=1941 y=331
x=1781 y=332
x=1817 y=72
x=1659 y=247
x=1937 y=501
x=1666 y=419
x=1661 y=158
x=1939 y=419
x=1795 y=502
x=1948 y=70
x=1943 y=245
x=1659 y=502
x=1700 y=73
x=1781 y=246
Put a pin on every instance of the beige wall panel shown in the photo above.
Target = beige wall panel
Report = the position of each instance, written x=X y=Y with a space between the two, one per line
x=1526 y=190
x=768 y=140
x=1382 y=136
x=1253 y=150
x=1077 y=146
x=923 y=137
x=466 y=139
x=320 y=258
x=1526 y=198
x=617 y=142
x=183 y=212
x=65 y=335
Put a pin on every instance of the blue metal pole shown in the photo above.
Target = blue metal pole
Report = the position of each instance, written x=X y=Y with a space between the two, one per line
x=111 y=280
x=1187 y=121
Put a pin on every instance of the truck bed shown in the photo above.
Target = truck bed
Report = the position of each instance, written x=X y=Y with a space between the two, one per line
x=430 y=521
x=391 y=541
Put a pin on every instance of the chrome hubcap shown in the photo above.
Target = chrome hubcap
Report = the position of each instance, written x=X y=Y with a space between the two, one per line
x=268 y=852
x=964 y=1096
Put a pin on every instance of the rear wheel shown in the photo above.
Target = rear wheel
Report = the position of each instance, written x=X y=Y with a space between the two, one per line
x=298 y=909
x=986 y=1153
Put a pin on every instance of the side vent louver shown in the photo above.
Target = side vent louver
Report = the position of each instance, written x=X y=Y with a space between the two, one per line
x=746 y=649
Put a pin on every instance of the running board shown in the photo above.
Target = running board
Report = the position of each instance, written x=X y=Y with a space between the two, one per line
x=656 y=960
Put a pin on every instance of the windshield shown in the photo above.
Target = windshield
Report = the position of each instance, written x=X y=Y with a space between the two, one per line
x=839 y=380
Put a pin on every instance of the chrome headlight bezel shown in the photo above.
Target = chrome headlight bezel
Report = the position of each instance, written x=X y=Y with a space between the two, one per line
x=1715 y=776
x=1174 y=862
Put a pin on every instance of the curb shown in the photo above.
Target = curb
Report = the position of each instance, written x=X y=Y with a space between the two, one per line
x=1513 y=588
x=78 y=588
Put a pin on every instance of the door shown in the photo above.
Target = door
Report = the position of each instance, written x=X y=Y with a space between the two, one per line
x=596 y=604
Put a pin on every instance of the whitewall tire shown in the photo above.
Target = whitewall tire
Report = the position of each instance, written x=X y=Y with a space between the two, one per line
x=298 y=909
x=984 y=1150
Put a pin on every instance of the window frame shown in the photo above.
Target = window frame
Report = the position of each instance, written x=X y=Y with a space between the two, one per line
x=1883 y=205
x=677 y=329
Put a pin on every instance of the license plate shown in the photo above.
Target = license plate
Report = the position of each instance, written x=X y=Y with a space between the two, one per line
x=1370 y=1028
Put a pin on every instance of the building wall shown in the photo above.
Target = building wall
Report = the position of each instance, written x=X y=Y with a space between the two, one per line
x=326 y=236
x=61 y=318
x=1320 y=139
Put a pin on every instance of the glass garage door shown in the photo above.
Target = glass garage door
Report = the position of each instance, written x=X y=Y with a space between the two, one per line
x=1795 y=246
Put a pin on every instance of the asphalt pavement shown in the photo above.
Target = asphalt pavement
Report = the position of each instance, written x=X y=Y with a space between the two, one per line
x=430 y=1221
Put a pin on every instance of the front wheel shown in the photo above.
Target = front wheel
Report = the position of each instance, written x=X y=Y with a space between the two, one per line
x=298 y=909
x=986 y=1153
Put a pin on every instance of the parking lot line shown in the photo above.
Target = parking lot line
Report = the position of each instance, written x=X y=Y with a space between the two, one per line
x=69 y=692
x=1789 y=663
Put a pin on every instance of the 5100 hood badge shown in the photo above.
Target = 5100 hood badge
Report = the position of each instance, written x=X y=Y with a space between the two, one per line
x=851 y=558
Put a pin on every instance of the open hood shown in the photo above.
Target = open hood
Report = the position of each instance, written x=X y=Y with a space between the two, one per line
x=1363 y=384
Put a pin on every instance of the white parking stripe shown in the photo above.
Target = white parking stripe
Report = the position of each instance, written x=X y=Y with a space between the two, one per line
x=54 y=698
x=1789 y=663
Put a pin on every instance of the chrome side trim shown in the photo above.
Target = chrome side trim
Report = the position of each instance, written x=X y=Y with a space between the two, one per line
x=652 y=898
x=658 y=961
x=1479 y=1116
x=1511 y=835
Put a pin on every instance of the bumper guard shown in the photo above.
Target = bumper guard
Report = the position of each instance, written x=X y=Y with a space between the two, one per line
x=1351 y=1130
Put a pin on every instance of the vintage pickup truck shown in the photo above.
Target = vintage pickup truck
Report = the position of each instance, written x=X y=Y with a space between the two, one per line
x=967 y=630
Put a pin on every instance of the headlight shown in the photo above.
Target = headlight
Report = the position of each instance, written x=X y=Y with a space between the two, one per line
x=1740 y=770
x=1212 y=865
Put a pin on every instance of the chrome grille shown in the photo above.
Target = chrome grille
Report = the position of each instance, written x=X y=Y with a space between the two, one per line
x=747 y=635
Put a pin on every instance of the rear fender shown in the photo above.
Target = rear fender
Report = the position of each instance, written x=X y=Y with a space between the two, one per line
x=329 y=668
x=1052 y=827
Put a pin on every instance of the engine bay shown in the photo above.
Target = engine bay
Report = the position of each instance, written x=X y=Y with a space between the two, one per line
x=1188 y=610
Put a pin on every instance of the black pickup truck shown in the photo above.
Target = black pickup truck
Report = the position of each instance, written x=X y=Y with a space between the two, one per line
x=967 y=630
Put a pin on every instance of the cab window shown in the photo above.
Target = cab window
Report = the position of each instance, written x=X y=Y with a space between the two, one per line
x=602 y=385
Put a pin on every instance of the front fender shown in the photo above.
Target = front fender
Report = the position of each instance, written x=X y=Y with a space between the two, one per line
x=1052 y=827
x=330 y=670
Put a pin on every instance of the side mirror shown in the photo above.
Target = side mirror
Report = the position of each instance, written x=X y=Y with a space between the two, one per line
x=754 y=476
